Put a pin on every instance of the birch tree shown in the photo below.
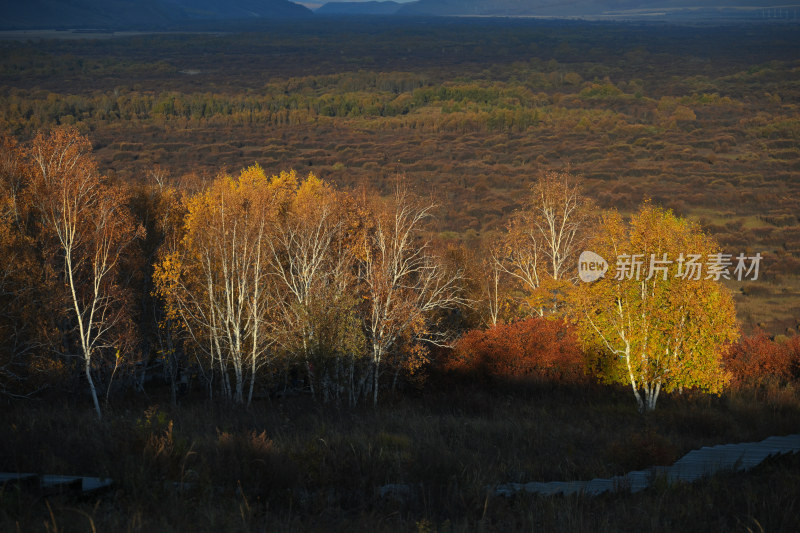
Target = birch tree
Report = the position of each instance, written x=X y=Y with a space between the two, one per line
x=89 y=228
x=311 y=262
x=655 y=321
x=216 y=280
x=485 y=283
x=544 y=238
x=403 y=284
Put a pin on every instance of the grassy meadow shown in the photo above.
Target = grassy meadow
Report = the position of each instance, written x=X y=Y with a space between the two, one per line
x=299 y=465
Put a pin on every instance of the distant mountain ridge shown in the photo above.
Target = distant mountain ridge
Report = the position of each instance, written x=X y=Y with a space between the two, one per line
x=163 y=14
x=558 y=8
x=387 y=7
x=132 y=13
x=237 y=9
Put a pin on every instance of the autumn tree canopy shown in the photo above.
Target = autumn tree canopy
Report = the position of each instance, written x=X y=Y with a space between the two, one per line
x=403 y=284
x=64 y=229
x=215 y=280
x=311 y=264
x=653 y=320
x=258 y=277
x=285 y=268
x=25 y=286
x=543 y=239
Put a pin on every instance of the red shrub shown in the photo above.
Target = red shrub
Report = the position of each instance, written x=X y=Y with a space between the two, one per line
x=758 y=360
x=793 y=353
x=538 y=348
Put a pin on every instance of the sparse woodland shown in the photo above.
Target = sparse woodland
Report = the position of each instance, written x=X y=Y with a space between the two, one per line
x=271 y=279
x=260 y=281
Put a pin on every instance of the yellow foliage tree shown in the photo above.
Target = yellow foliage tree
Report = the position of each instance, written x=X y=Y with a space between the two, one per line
x=655 y=320
x=311 y=256
x=263 y=262
x=216 y=279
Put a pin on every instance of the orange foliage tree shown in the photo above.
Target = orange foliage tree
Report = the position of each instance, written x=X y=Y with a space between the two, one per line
x=312 y=265
x=539 y=348
x=758 y=360
x=402 y=284
x=26 y=287
x=87 y=227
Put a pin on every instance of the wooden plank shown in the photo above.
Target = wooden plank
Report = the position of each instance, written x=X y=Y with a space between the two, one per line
x=693 y=466
x=92 y=484
x=27 y=481
x=56 y=484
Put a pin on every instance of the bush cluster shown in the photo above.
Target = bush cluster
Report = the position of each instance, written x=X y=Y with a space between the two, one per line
x=536 y=349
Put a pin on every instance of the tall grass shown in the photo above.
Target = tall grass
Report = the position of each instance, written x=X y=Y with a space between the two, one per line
x=424 y=463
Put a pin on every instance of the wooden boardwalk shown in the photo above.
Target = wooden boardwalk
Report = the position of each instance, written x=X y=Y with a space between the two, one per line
x=693 y=466
x=53 y=484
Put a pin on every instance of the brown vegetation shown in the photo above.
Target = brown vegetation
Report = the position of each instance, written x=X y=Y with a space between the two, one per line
x=265 y=287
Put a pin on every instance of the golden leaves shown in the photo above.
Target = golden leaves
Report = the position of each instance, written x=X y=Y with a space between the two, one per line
x=656 y=328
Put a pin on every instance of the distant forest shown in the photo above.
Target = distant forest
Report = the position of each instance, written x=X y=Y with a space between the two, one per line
x=703 y=120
